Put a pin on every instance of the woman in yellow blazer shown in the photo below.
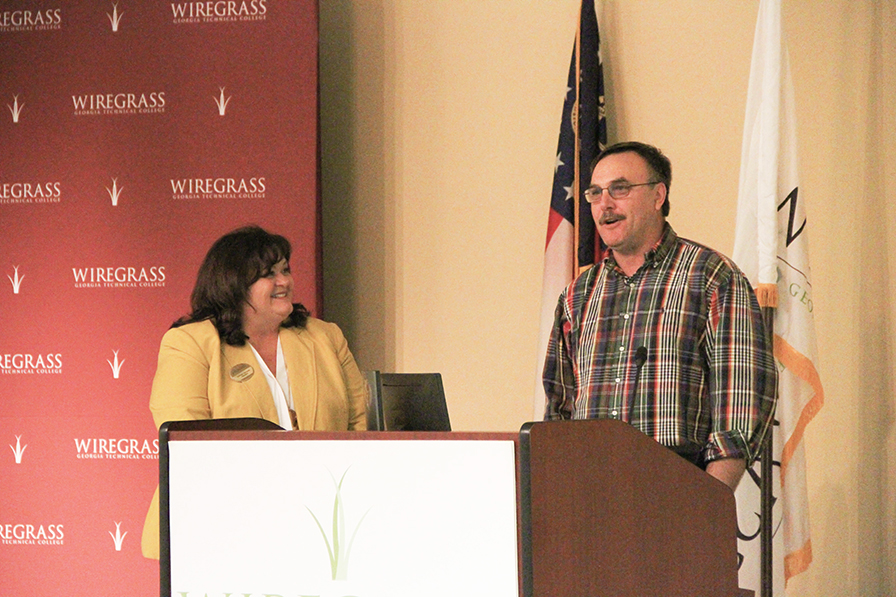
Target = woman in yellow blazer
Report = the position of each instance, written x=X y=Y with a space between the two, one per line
x=246 y=350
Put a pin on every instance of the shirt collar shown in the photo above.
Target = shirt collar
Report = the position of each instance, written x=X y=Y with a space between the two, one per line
x=661 y=250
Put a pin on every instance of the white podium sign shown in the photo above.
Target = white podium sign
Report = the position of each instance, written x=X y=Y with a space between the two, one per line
x=365 y=518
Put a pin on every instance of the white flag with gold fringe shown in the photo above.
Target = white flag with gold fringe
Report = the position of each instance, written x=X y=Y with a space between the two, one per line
x=771 y=247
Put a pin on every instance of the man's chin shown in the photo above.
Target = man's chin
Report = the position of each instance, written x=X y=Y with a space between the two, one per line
x=610 y=239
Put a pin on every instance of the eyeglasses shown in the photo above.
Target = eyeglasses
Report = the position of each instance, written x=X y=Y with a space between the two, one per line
x=617 y=190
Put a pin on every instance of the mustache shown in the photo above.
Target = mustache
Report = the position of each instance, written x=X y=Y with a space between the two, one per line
x=609 y=217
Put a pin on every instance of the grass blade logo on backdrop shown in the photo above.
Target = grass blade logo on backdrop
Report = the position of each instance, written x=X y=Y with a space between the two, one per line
x=116 y=365
x=19 y=450
x=114 y=18
x=15 y=109
x=338 y=548
x=118 y=538
x=16 y=281
x=222 y=103
x=114 y=192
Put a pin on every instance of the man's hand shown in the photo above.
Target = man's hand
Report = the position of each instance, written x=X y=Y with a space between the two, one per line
x=728 y=471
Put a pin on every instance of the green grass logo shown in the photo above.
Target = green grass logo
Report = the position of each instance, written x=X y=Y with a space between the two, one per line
x=338 y=548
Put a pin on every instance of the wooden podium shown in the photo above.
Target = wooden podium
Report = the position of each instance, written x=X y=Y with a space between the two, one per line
x=607 y=511
x=590 y=509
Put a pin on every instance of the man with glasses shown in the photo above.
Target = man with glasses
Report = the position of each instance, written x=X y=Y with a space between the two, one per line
x=661 y=332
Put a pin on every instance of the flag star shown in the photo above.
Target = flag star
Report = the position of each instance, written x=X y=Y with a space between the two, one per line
x=558 y=164
x=568 y=193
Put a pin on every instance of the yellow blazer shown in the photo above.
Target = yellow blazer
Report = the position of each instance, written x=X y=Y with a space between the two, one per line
x=199 y=377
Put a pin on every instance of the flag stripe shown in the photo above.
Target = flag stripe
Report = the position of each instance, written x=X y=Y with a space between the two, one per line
x=798 y=561
x=554 y=220
x=804 y=368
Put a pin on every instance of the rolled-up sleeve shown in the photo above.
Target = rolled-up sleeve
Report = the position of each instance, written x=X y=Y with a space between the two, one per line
x=742 y=373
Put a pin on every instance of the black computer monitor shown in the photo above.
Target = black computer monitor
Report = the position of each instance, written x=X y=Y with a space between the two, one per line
x=407 y=402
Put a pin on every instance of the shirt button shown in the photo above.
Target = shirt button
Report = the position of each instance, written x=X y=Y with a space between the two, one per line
x=614 y=413
x=622 y=349
x=625 y=316
x=618 y=380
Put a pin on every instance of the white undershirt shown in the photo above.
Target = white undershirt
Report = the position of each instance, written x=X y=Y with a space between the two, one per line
x=279 y=385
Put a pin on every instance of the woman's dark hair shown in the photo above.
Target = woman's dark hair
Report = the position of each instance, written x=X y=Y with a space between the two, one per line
x=230 y=267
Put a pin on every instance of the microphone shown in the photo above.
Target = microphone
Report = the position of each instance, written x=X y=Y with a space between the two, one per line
x=640 y=359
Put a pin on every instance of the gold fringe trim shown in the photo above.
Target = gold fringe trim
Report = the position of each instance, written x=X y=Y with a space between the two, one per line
x=803 y=368
x=797 y=562
x=767 y=295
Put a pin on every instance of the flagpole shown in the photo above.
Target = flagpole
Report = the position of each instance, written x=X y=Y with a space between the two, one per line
x=574 y=116
x=766 y=472
x=767 y=297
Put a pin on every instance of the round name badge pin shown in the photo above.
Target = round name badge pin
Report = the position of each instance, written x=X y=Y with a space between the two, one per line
x=241 y=372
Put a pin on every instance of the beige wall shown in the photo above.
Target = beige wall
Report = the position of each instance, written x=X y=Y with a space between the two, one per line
x=439 y=122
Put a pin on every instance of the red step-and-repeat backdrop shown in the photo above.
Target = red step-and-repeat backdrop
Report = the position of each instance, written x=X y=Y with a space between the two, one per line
x=132 y=135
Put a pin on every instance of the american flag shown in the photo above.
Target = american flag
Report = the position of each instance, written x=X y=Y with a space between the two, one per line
x=570 y=245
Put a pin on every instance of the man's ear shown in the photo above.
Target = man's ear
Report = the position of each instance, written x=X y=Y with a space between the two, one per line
x=660 y=196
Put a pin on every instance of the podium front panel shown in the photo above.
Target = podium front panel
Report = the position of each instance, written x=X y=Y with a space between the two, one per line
x=368 y=514
x=613 y=513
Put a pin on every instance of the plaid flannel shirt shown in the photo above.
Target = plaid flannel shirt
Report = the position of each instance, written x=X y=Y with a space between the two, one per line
x=707 y=387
